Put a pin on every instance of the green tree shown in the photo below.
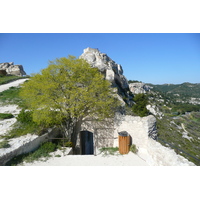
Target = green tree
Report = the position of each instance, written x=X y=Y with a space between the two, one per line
x=139 y=107
x=66 y=92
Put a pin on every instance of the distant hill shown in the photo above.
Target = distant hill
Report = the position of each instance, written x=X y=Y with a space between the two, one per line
x=177 y=110
x=184 y=89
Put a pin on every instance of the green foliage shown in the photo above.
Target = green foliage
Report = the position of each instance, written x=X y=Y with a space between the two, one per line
x=10 y=96
x=42 y=152
x=139 y=107
x=182 y=108
x=133 y=148
x=25 y=116
x=109 y=150
x=24 y=125
x=68 y=144
x=134 y=81
x=68 y=89
x=20 y=129
x=184 y=89
x=4 y=144
x=10 y=78
x=62 y=143
x=5 y=116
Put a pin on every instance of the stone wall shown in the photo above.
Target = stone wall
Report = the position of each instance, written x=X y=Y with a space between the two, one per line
x=139 y=128
x=21 y=145
x=25 y=144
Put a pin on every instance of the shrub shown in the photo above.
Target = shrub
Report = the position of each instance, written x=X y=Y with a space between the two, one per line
x=5 y=116
x=68 y=144
x=133 y=148
x=139 y=107
x=25 y=117
x=4 y=144
x=24 y=125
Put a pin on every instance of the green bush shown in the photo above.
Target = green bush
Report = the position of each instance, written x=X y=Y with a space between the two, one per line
x=4 y=144
x=139 y=107
x=24 y=125
x=25 y=116
x=5 y=116
x=133 y=148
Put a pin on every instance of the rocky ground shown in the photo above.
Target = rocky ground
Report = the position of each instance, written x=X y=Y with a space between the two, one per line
x=130 y=159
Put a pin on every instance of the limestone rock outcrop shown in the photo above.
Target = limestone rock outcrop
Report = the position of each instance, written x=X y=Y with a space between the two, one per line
x=138 y=88
x=12 y=69
x=112 y=71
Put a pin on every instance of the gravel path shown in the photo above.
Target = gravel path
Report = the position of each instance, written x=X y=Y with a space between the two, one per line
x=12 y=84
x=130 y=159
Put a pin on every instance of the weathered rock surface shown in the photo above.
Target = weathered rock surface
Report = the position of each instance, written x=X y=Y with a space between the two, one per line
x=139 y=128
x=112 y=71
x=138 y=88
x=155 y=111
x=12 y=69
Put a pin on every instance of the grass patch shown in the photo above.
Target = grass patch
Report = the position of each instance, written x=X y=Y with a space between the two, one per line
x=20 y=129
x=42 y=152
x=10 y=78
x=5 y=116
x=4 y=144
x=10 y=96
x=109 y=150
x=24 y=125
x=133 y=148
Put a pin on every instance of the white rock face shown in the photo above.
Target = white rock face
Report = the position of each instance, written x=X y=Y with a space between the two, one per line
x=6 y=125
x=112 y=71
x=138 y=88
x=139 y=128
x=150 y=150
x=154 y=110
x=12 y=69
x=158 y=155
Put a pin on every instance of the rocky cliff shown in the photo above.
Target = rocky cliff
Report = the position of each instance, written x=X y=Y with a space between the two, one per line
x=112 y=71
x=12 y=69
x=138 y=88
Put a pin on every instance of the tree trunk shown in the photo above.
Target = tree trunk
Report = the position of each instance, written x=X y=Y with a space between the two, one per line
x=76 y=131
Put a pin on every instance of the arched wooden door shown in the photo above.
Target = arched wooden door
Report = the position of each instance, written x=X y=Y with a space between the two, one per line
x=87 y=144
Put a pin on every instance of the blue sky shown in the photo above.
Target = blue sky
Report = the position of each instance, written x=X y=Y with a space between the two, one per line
x=156 y=58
